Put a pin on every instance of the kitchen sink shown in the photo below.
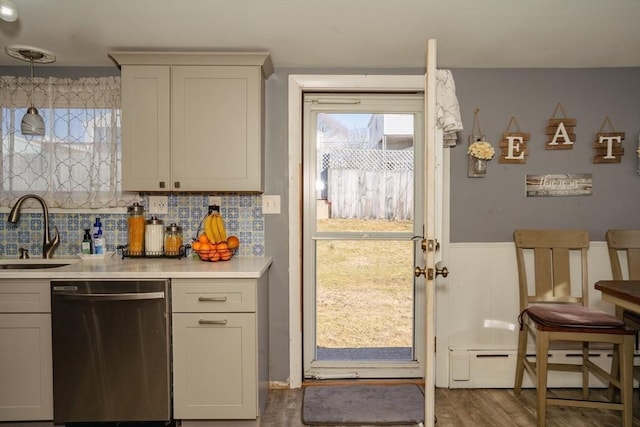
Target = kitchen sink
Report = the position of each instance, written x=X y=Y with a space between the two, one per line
x=35 y=263
x=29 y=266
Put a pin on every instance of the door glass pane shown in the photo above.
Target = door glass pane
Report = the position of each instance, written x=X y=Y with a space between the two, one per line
x=364 y=171
x=364 y=295
x=364 y=285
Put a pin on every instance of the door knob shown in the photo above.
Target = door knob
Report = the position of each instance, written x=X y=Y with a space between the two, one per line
x=443 y=271
x=428 y=272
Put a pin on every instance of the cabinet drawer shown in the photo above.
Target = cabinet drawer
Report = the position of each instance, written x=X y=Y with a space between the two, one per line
x=25 y=296
x=213 y=296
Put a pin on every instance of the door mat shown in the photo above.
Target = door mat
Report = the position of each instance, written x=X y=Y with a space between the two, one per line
x=363 y=404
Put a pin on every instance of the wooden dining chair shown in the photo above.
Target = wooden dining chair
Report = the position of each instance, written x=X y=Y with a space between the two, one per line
x=551 y=309
x=624 y=243
x=624 y=251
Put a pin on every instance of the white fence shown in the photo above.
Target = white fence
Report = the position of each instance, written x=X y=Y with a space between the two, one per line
x=368 y=184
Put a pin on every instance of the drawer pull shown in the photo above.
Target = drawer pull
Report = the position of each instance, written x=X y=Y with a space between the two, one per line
x=212 y=322
x=212 y=299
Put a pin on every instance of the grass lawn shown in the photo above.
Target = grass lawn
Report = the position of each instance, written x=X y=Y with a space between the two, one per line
x=364 y=290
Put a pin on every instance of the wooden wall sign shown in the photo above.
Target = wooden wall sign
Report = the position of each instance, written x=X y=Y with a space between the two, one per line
x=559 y=185
x=513 y=145
x=607 y=146
x=560 y=132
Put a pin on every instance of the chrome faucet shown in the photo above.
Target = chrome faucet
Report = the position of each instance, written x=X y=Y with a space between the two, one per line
x=49 y=245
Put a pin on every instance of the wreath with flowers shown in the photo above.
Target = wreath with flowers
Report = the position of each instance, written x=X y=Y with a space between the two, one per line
x=481 y=150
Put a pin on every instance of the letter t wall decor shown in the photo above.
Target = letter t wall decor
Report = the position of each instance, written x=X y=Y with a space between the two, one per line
x=608 y=145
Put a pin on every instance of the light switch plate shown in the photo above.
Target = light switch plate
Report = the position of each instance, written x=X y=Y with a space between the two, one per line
x=158 y=205
x=270 y=204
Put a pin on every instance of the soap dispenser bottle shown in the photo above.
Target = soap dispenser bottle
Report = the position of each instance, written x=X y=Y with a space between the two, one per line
x=87 y=242
x=98 y=242
x=98 y=238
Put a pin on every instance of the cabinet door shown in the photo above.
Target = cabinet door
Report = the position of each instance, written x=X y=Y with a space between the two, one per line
x=217 y=128
x=26 y=378
x=146 y=128
x=214 y=366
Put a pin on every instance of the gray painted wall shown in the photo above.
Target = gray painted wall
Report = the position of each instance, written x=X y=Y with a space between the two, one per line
x=482 y=209
x=489 y=209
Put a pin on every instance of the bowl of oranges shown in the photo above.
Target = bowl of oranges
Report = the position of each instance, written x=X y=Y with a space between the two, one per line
x=215 y=251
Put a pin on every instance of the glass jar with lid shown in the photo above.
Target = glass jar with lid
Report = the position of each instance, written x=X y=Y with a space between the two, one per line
x=136 y=225
x=153 y=237
x=173 y=240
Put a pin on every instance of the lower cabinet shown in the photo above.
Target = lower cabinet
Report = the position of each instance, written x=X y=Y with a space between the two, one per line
x=220 y=348
x=26 y=374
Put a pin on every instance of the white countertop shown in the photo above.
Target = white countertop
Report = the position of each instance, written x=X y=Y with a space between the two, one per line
x=144 y=268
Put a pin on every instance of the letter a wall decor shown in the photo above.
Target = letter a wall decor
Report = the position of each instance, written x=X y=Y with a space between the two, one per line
x=560 y=132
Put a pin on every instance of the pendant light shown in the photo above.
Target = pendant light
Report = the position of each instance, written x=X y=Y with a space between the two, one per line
x=8 y=11
x=32 y=122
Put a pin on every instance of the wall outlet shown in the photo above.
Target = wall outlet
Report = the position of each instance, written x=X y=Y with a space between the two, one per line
x=158 y=205
x=270 y=204
x=215 y=200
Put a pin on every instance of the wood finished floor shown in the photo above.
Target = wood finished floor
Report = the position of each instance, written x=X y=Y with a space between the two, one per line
x=473 y=408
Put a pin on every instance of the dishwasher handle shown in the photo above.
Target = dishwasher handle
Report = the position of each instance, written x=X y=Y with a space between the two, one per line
x=110 y=297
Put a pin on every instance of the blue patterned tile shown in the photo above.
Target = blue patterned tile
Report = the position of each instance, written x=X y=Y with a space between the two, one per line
x=242 y=212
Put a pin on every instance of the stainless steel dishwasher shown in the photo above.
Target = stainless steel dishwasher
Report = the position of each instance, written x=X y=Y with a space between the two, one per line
x=110 y=351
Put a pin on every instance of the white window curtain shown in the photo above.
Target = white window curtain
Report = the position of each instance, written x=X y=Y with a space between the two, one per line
x=77 y=163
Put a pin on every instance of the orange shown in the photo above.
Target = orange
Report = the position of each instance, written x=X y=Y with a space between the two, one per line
x=222 y=246
x=203 y=238
x=196 y=245
x=206 y=246
x=215 y=257
x=233 y=242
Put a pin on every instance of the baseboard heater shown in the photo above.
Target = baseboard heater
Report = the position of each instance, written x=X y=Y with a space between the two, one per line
x=471 y=368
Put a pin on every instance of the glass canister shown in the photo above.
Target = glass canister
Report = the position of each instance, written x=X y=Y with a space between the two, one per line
x=136 y=225
x=153 y=237
x=172 y=240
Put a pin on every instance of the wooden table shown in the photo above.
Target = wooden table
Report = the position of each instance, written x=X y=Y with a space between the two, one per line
x=622 y=293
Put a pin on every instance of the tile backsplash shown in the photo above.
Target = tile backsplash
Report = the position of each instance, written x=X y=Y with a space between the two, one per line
x=242 y=214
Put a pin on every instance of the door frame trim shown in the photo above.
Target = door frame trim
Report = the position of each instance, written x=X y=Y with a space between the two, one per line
x=298 y=83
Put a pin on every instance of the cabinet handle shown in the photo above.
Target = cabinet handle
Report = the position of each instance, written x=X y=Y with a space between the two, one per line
x=161 y=183
x=212 y=299
x=176 y=184
x=212 y=322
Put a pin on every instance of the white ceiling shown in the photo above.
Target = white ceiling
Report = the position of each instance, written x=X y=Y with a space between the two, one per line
x=338 y=33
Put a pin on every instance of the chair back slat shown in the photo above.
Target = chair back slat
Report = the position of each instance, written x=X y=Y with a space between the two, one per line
x=627 y=242
x=561 y=272
x=543 y=276
x=551 y=251
x=633 y=258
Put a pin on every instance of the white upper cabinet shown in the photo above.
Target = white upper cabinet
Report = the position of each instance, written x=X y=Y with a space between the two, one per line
x=193 y=121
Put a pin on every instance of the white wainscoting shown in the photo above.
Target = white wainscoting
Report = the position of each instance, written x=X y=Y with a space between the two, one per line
x=477 y=311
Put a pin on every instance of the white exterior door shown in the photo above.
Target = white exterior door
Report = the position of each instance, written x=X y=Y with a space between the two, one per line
x=433 y=218
x=363 y=189
x=298 y=85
